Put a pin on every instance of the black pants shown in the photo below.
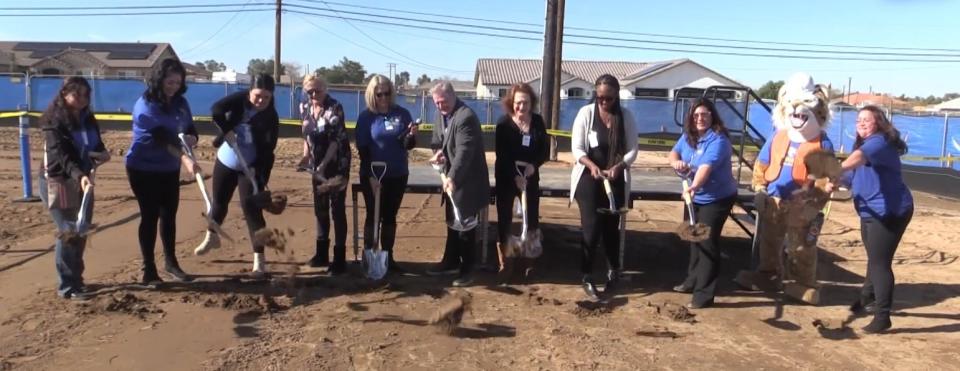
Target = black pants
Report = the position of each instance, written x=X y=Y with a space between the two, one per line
x=158 y=195
x=590 y=196
x=225 y=181
x=459 y=248
x=704 y=265
x=331 y=205
x=881 y=238
x=391 y=196
x=506 y=192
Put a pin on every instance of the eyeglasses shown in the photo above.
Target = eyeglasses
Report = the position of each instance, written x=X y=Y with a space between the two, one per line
x=313 y=92
x=383 y=94
x=605 y=99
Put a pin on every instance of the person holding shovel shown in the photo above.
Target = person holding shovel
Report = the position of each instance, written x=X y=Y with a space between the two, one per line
x=702 y=157
x=326 y=151
x=154 y=161
x=385 y=132
x=604 y=145
x=458 y=145
x=521 y=135
x=248 y=125
x=72 y=149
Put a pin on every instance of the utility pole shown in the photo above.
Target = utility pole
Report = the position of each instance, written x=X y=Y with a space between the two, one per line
x=849 y=82
x=548 y=68
x=558 y=76
x=392 y=73
x=276 y=45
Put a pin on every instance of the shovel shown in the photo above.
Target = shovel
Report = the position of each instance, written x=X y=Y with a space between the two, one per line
x=80 y=228
x=458 y=224
x=528 y=247
x=692 y=232
x=264 y=199
x=211 y=224
x=374 y=256
x=326 y=185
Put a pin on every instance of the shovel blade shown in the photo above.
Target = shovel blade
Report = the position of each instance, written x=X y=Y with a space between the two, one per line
x=376 y=263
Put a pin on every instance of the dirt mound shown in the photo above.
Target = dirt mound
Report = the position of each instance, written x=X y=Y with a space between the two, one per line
x=125 y=303
x=673 y=312
x=588 y=308
x=243 y=303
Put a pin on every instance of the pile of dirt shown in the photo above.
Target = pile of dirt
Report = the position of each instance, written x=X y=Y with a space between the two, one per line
x=263 y=304
x=120 y=302
x=450 y=312
x=589 y=308
x=673 y=312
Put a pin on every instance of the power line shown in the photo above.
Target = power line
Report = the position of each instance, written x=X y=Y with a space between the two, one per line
x=515 y=37
x=734 y=47
x=234 y=16
x=182 y=12
x=126 y=7
x=622 y=32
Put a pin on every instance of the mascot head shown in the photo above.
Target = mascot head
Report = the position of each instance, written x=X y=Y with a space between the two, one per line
x=802 y=108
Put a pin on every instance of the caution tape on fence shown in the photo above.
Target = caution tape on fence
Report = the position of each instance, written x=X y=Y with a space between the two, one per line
x=654 y=142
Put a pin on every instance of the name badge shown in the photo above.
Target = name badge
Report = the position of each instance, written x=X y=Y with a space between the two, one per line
x=526 y=140
x=594 y=141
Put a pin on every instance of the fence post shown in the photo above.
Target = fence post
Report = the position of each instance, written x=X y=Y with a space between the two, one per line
x=943 y=146
x=25 y=155
x=842 y=135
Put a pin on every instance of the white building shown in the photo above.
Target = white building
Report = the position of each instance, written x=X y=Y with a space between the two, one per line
x=230 y=75
x=494 y=76
x=949 y=106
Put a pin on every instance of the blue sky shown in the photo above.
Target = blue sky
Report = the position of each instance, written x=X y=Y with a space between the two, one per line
x=316 y=41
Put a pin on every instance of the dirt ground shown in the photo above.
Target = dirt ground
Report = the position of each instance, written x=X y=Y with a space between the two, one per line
x=304 y=319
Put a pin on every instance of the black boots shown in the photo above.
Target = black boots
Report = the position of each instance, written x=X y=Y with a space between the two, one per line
x=339 y=265
x=322 y=256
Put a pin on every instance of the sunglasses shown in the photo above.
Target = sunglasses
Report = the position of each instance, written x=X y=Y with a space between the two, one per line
x=313 y=92
x=383 y=94
x=605 y=99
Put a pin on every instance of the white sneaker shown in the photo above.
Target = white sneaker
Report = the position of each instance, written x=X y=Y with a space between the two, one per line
x=259 y=265
x=211 y=241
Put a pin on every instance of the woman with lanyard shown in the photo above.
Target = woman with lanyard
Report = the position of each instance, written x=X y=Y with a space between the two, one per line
x=153 y=163
x=72 y=149
x=885 y=206
x=385 y=132
x=604 y=145
x=323 y=127
x=249 y=119
x=521 y=135
x=703 y=154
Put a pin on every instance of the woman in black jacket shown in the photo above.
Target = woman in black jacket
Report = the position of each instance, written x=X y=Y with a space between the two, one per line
x=521 y=136
x=249 y=119
x=72 y=149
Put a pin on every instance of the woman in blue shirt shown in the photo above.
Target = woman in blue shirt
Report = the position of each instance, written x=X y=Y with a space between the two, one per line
x=72 y=148
x=385 y=132
x=323 y=126
x=885 y=206
x=153 y=164
x=703 y=152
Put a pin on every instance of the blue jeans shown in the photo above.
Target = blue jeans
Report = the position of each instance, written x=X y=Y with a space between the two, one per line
x=68 y=255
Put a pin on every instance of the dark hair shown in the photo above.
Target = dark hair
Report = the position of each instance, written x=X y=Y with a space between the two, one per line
x=57 y=112
x=690 y=128
x=883 y=126
x=519 y=88
x=262 y=81
x=154 y=92
x=618 y=145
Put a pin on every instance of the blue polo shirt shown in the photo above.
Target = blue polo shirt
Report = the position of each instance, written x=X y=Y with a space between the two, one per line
x=877 y=186
x=382 y=134
x=147 y=153
x=715 y=150
x=783 y=186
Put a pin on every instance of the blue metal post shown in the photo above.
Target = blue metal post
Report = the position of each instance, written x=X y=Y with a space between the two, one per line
x=25 y=156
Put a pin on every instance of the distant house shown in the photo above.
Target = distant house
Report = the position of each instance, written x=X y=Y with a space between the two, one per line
x=230 y=75
x=195 y=73
x=859 y=100
x=133 y=60
x=493 y=77
x=949 y=106
x=463 y=88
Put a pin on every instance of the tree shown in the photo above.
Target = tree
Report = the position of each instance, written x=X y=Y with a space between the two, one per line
x=770 y=89
x=346 y=72
x=211 y=65
x=401 y=79
x=423 y=79
x=258 y=65
x=294 y=70
x=951 y=96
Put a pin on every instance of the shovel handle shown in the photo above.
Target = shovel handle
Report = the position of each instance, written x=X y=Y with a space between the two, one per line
x=245 y=169
x=203 y=191
x=609 y=189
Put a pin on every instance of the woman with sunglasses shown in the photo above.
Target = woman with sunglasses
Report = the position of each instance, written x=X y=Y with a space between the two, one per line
x=385 y=132
x=323 y=128
x=604 y=145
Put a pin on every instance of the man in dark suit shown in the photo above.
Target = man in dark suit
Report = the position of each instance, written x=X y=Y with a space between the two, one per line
x=458 y=146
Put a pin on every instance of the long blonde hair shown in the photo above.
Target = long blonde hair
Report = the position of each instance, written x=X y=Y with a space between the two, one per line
x=371 y=94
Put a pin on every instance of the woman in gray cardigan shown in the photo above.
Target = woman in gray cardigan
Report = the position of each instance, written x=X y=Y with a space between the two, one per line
x=604 y=145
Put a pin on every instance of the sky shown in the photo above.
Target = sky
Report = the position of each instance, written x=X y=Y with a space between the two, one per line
x=235 y=38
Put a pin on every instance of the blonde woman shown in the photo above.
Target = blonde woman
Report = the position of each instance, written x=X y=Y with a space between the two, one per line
x=385 y=132
x=323 y=128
